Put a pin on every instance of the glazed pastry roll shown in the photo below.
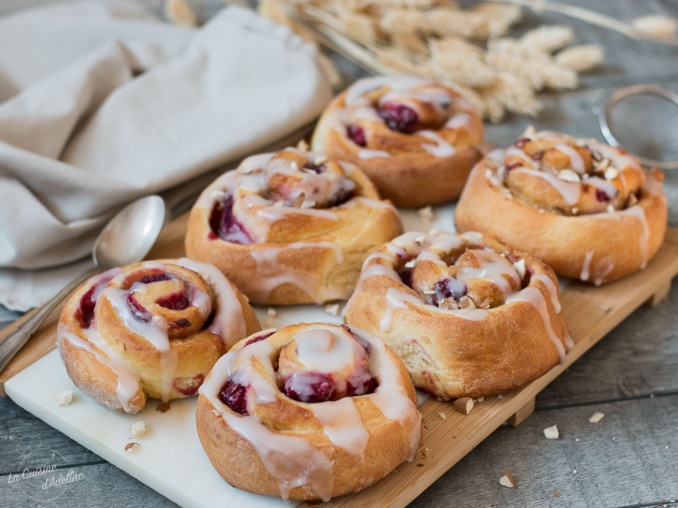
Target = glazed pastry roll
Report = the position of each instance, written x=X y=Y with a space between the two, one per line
x=311 y=411
x=150 y=330
x=290 y=227
x=468 y=316
x=589 y=210
x=415 y=139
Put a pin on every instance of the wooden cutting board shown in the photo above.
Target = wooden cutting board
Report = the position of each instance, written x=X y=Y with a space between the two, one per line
x=590 y=313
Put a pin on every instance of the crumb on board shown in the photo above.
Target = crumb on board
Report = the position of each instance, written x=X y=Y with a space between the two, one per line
x=442 y=415
x=332 y=309
x=551 y=432
x=163 y=407
x=137 y=430
x=426 y=213
x=507 y=480
x=132 y=447
x=596 y=417
x=65 y=397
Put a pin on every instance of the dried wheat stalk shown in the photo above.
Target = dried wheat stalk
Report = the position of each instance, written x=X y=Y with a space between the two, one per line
x=467 y=49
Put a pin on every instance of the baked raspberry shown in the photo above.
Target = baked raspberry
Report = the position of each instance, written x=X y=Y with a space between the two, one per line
x=155 y=277
x=366 y=345
x=234 y=395
x=357 y=135
x=175 y=301
x=258 y=338
x=85 y=312
x=399 y=117
x=601 y=195
x=310 y=387
x=138 y=311
x=522 y=142
x=363 y=388
x=224 y=225
x=180 y=323
x=316 y=168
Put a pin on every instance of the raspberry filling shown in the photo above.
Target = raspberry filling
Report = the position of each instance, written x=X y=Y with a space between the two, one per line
x=234 y=395
x=316 y=168
x=357 y=135
x=258 y=338
x=180 y=323
x=175 y=301
x=601 y=195
x=85 y=312
x=310 y=387
x=399 y=117
x=138 y=311
x=224 y=225
x=522 y=142
x=155 y=277
x=366 y=345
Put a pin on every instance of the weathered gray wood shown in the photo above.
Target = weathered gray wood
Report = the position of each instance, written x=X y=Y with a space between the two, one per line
x=622 y=460
x=638 y=358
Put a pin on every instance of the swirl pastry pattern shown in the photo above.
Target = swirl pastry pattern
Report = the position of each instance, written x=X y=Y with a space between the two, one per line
x=290 y=227
x=589 y=210
x=468 y=316
x=311 y=411
x=416 y=140
x=150 y=330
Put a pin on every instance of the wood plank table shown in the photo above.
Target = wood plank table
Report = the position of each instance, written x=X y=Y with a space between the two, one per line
x=628 y=459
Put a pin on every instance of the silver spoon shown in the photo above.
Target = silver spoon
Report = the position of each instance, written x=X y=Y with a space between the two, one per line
x=126 y=239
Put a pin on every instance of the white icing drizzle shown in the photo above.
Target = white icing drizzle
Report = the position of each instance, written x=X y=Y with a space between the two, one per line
x=229 y=321
x=396 y=299
x=323 y=351
x=367 y=154
x=576 y=161
x=153 y=331
x=441 y=149
x=492 y=268
x=272 y=274
x=535 y=298
x=585 y=273
x=128 y=378
x=570 y=191
x=342 y=425
x=644 y=238
x=290 y=459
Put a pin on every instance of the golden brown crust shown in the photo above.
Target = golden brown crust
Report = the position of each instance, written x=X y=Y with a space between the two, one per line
x=237 y=459
x=411 y=176
x=596 y=248
x=130 y=369
x=303 y=258
x=452 y=354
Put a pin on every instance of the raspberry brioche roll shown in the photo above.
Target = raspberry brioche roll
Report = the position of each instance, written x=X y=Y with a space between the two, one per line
x=416 y=140
x=589 y=210
x=150 y=330
x=290 y=227
x=311 y=411
x=468 y=316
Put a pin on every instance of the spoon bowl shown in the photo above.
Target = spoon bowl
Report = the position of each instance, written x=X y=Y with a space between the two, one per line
x=129 y=236
x=126 y=239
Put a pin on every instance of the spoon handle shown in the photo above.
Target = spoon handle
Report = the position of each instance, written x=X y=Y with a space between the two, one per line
x=15 y=340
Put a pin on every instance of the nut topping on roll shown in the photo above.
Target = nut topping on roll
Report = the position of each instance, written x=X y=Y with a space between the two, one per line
x=468 y=316
x=311 y=411
x=588 y=209
x=404 y=131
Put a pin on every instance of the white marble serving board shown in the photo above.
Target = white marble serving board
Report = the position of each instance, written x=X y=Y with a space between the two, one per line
x=170 y=458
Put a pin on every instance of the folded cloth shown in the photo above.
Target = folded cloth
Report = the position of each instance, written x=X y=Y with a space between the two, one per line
x=100 y=104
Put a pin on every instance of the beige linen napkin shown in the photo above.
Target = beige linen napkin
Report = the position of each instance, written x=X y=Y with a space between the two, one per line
x=101 y=104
